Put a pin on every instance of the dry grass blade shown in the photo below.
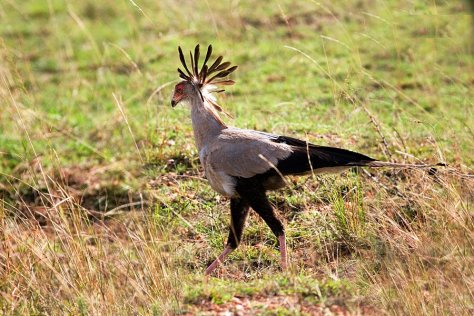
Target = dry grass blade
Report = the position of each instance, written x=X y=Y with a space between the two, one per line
x=119 y=105
x=105 y=210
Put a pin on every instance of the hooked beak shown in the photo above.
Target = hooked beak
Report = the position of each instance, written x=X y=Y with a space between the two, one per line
x=175 y=100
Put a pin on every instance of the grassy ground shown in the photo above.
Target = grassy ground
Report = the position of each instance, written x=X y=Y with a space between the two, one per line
x=103 y=205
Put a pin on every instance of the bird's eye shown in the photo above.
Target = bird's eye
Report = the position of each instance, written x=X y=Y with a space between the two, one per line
x=179 y=88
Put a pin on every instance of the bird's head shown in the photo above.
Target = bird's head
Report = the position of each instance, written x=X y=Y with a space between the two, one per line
x=200 y=82
x=182 y=92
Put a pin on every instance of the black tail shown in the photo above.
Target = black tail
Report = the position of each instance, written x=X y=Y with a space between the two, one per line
x=307 y=157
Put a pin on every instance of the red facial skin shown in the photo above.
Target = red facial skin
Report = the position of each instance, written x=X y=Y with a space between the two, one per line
x=178 y=94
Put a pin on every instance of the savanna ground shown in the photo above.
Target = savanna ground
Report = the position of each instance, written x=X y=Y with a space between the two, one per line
x=104 y=209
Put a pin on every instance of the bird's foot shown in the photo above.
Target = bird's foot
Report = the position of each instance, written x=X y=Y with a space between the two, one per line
x=218 y=260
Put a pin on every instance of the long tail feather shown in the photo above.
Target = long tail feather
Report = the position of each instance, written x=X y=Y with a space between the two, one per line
x=382 y=164
x=321 y=160
x=307 y=157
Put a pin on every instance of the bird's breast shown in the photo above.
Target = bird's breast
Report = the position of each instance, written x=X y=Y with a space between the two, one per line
x=203 y=154
x=220 y=181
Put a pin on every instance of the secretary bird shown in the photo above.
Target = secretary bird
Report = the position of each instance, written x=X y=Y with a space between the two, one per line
x=244 y=164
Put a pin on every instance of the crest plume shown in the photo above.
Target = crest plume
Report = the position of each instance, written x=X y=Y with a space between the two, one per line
x=206 y=75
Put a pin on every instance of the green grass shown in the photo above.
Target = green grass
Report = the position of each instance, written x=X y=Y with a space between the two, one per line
x=86 y=129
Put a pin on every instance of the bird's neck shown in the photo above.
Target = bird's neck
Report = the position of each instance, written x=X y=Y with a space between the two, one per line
x=206 y=122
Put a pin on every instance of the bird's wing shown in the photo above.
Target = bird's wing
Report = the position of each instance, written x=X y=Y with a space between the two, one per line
x=308 y=157
x=245 y=153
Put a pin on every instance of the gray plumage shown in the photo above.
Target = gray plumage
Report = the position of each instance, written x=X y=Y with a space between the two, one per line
x=243 y=164
x=239 y=153
x=243 y=153
x=227 y=152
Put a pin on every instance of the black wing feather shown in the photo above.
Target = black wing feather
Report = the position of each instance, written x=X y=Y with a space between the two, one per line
x=319 y=157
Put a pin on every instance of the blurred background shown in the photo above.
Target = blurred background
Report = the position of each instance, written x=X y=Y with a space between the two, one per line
x=103 y=205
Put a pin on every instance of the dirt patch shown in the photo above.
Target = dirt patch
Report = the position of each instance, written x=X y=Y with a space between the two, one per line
x=93 y=191
x=275 y=305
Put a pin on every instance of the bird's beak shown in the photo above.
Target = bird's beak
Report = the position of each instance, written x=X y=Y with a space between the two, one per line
x=176 y=99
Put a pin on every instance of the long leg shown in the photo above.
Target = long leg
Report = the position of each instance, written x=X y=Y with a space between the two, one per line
x=259 y=202
x=238 y=214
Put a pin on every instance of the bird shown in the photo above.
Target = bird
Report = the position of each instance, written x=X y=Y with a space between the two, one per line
x=242 y=164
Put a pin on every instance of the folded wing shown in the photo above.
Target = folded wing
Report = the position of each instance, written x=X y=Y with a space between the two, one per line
x=247 y=153
x=308 y=157
x=243 y=153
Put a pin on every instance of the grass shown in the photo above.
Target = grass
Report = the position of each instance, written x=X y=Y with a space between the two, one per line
x=103 y=206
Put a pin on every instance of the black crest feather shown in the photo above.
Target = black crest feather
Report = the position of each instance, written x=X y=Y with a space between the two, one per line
x=183 y=62
x=208 y=55
x=196 y=59
x=206 y=75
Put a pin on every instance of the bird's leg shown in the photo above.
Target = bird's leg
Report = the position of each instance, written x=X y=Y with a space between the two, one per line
x=283 y=257
x=218 y=260
x=262 y=206
x=238 y=210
